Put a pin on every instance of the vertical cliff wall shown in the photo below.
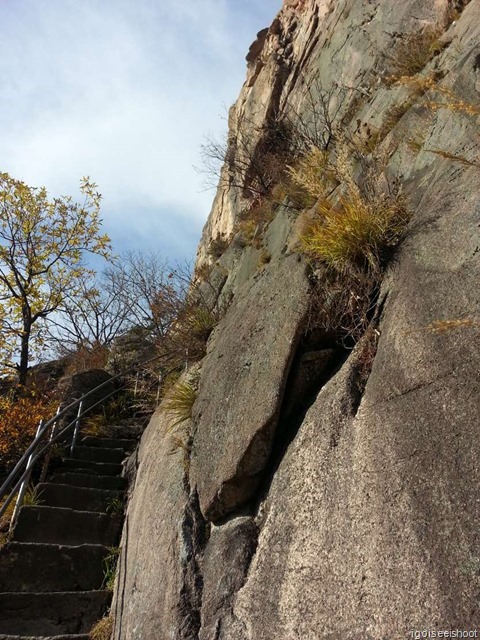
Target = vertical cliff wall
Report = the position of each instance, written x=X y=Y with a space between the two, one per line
x=331 y=485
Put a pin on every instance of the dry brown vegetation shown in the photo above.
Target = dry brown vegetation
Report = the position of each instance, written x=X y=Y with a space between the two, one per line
x=102 y=630
x=414 y=51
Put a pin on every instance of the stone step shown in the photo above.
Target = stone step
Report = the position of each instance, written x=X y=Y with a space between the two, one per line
x=81 y=498
x=85 y=466
x=52 y=613
x=92 y=481
x=32 y=567
x=99 y=454
x=56 y=525
x=81 y=636
x=112 y=443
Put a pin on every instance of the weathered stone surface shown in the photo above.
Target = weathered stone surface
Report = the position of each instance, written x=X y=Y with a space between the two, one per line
x=242 y=384
x=279 y=230
x=157 y=595
x=231 y=545
x=370 y=528
x=257 y=46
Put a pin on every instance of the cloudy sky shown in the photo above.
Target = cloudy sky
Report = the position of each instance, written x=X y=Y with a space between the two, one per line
x=124 y=91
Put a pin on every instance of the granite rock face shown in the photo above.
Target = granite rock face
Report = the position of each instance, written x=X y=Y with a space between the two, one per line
x=244 y=373
x=370 y=527
x=317 y=504
x=156 y=593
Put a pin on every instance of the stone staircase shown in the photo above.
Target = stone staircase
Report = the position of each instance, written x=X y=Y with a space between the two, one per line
x=52 y=582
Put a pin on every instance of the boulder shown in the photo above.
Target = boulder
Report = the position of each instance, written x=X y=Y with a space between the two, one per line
x=242 y=385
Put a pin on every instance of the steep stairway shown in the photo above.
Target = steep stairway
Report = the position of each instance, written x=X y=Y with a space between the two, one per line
x=52 y=573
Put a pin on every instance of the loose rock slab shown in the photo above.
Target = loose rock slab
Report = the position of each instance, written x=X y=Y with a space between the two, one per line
x=242 y=385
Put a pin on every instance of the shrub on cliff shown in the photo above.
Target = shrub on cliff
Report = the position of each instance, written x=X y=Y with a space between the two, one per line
x=355 y=234
x=352 y=232
x=415 y=51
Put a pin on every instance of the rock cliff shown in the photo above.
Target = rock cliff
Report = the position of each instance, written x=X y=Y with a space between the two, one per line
x=327 y=486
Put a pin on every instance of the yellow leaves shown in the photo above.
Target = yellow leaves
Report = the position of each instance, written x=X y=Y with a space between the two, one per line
x=19 y=419
x=42 y=247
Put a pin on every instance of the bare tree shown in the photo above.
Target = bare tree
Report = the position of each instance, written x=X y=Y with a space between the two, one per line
x=150 y=290
x=95 y=317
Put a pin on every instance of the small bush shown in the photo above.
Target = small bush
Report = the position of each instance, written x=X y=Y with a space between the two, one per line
x=254 y=221
x=217 y=247
x=187 y=339
x=342 y=305
x=102 y=630
x=87 y=357
x=415 y=51
x=179 y=402
x=312 y=175
x=354 y=234
x=19 y=419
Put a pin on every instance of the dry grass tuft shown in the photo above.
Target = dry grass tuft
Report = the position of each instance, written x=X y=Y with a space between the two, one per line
x=312 y=176
x=179 y=403
x=456 y=158
x=442 y=326
x=110 y=563
x=355 y=234
x=102 y=630
x=414 y=52
x=436 y=96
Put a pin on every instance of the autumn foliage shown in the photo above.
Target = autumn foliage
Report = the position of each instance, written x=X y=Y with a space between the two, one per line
x=19 y=418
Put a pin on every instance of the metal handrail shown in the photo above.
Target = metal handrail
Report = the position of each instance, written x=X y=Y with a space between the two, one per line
x=32 y=453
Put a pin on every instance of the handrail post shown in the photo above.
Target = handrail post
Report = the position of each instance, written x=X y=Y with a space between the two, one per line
x=24 y=485
x=77 y=427
x=48 y=456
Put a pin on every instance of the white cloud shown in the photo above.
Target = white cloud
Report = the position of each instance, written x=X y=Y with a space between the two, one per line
x=122 y=91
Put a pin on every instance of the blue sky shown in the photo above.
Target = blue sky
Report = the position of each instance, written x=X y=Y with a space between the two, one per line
x=123 y=91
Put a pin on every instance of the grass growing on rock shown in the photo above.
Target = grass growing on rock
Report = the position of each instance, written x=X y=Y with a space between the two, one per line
x=180 y=401
x=415 y=51
x=110 y=568
x=353 y=233
x=102 y=630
